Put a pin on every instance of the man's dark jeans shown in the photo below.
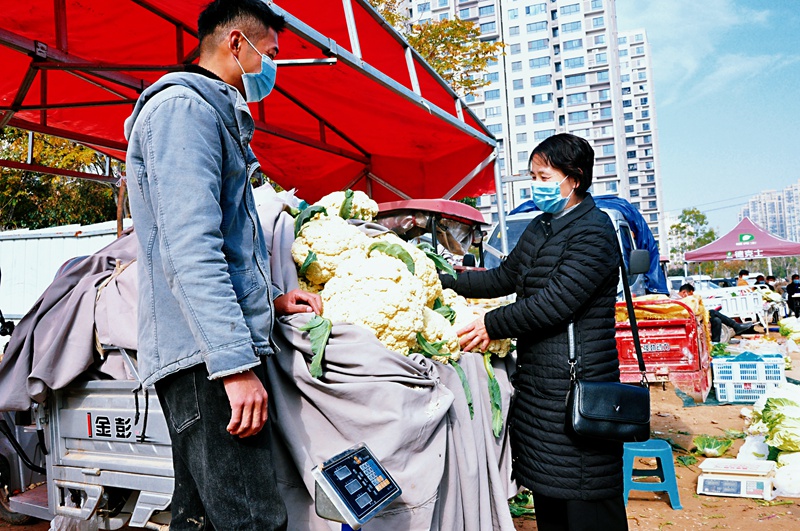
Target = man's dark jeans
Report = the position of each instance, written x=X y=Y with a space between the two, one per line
x=716 y=321
x=222 y=482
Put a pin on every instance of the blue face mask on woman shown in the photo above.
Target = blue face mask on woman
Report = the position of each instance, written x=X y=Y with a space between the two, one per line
x=547 y=196
x=257 y=86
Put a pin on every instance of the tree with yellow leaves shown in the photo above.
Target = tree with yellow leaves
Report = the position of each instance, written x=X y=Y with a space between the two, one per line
x=452 y=47
x=32 y=200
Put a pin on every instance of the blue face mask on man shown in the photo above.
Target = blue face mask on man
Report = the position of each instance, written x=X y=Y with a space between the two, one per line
x=257 y=86
x=796 y=281
x=547 y=196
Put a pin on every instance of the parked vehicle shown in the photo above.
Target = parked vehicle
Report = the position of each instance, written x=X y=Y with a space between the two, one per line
x=455 y=229
x=21 y=451
x=724 y=282
x=675 y=349
x=700 y=282
x=742 y=303
x=516 y=224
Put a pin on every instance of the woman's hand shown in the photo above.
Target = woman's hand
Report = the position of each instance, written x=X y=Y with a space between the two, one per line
x=474 y=336
x=298 y=301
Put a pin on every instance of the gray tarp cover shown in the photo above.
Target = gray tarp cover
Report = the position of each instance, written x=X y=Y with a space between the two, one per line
x=54 y=342
x=410 y=411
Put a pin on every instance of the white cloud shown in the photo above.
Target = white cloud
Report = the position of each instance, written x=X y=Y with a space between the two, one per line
x=686 y=37
x=732 y=72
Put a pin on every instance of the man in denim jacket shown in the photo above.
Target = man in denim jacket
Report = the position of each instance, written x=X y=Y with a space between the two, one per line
x=206 y=300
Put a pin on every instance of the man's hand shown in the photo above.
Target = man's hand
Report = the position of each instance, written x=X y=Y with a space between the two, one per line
x=474 y=336
x=248 y=400
x=298 y=301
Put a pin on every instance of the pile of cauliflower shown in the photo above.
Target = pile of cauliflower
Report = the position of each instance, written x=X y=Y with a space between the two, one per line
x=370 y=282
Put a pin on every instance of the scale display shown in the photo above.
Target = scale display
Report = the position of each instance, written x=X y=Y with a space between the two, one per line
x=735 y=487
x=358 y=483
x=722 y=486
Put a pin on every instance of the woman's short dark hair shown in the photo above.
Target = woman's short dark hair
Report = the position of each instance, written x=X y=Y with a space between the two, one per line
x=570 y=154
x=221 y=13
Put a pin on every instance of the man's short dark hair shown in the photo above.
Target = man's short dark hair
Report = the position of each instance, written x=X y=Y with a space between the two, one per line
x=744 y=272
x=570 y=154
x=795 y=276
x=248 y=15
x=687 y=287
x=770 y=277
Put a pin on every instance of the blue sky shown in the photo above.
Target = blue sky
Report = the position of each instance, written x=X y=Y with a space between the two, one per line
x=727 y=92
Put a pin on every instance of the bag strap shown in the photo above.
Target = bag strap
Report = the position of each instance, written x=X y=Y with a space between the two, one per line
x=626 y=288
x=572 y=360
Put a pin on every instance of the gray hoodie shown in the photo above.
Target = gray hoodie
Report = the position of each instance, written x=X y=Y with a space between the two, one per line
x=205 y=293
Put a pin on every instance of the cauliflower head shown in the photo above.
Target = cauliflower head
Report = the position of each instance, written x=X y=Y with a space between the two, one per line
x=332 y=239
x=380 y=293
x=465 y=314
x=424 y=268
x=305 y=285
x=363 y=207
x=437 y=328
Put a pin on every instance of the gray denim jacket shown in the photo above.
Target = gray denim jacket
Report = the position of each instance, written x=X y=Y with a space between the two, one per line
x=205 y=293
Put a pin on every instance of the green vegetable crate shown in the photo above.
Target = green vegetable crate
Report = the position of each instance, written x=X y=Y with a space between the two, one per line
x=747 y=377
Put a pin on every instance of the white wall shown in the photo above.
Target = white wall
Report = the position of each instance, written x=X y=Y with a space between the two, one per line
x=30 y=259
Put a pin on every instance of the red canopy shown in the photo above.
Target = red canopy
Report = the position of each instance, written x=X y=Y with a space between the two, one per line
x=745 y=241
x=354 y=105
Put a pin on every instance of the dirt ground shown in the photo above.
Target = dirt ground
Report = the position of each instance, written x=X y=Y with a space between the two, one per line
x=652 y=511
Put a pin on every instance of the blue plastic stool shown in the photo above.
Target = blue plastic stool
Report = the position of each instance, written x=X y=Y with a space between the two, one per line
x=665 y=471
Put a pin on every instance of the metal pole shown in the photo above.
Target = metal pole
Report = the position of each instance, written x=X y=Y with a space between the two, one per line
x=501 y=207
x=352 y=31
x=121 y=205
x=769 y=266
x=30 y=148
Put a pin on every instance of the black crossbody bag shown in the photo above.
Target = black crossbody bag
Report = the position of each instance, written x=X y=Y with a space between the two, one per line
x=609 y=410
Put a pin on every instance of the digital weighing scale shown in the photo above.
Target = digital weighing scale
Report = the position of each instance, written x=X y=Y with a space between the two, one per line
x=741 y=479
x=352 y=487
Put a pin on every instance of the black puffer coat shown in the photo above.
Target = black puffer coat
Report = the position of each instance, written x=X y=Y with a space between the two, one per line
x=562 y=269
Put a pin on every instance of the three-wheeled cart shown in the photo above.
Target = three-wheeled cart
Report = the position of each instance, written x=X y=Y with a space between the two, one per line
x=675 y=344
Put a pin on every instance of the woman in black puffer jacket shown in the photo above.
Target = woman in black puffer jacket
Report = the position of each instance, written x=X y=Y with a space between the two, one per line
x=564 y=269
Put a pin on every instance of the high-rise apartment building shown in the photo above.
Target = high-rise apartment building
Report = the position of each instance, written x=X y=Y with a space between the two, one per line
x=791 y=209
x=776 y=211
x=565 y=69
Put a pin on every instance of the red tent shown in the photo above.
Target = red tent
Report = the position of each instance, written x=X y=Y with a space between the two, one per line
x=744 y=242
x=354 y=105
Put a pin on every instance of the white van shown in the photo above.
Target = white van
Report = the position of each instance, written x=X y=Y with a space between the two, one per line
x=700 y=283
